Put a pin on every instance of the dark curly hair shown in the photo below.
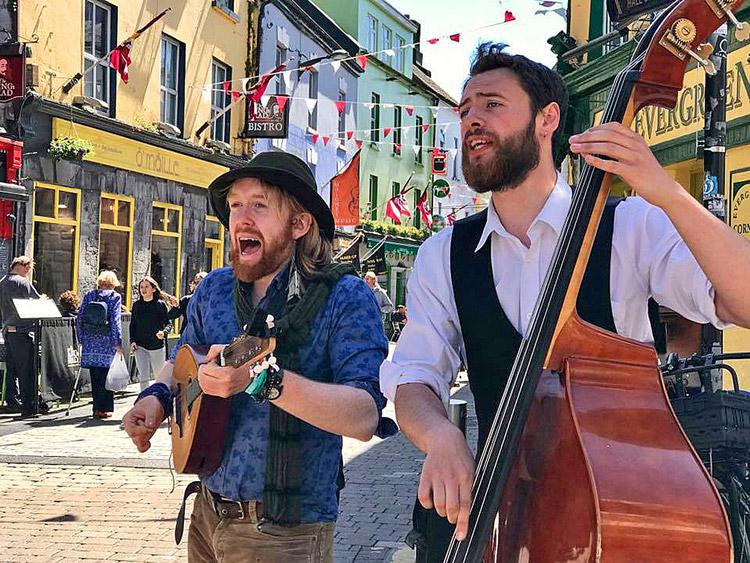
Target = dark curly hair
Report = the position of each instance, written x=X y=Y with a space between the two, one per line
x=543 y=85
x=69 y=303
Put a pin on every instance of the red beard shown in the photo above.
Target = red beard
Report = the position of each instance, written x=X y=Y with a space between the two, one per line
x=274 y=255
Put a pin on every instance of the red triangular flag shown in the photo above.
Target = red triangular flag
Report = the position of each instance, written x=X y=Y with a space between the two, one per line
x=362 y=60
x=315 y=137
x=386 y=132
x=325 y=140
x=509 y=17
x=435 y=151
x=425 y=127
x=308 y=67
x=455 y=110
x=456 y=37
x=359 y=143
x=397 y=146
x=225 y=86
x=340 y=105
x=236 y=95
x=433 y=41
x=349 y=135
x=409 y=110
x=282 y=100
x=119 y=60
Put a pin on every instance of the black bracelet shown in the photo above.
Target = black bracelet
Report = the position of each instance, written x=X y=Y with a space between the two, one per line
x=161 y=392
x=273 y=388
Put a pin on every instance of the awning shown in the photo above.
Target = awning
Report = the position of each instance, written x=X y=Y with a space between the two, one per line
x=400 y=247
x=13 y=192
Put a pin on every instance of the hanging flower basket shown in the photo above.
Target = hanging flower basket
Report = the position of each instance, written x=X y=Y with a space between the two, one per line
x=69 y=148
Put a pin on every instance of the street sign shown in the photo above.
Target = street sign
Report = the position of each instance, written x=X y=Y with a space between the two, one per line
x=269 y=121
x=439 y=163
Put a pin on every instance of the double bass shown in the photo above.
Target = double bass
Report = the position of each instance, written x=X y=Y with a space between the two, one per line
x=585 y=460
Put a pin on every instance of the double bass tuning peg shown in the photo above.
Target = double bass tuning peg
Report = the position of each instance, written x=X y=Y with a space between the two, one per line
x=720 y=8
x=678 y=41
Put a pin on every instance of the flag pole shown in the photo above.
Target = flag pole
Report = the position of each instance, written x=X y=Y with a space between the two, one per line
x=68 y=86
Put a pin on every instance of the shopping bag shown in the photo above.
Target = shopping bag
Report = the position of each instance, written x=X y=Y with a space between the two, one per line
x=117 y=377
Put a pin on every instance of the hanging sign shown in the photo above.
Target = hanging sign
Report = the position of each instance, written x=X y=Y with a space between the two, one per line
x=12 y=72
x=269 y=121
x=439 y=163
x=620 y=10
x=441 y=188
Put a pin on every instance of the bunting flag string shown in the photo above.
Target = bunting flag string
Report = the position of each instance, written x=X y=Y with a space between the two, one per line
x=362 y=58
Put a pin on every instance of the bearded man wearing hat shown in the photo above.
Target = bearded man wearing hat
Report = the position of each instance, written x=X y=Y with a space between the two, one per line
x=274 y=498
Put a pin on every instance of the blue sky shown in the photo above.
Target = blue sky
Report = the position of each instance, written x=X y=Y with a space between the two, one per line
x=449 y=61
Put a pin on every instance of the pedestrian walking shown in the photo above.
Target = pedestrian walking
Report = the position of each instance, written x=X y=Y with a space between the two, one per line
x=381 y=296
x=99 y=329
x=149 y=327
x=19 y=340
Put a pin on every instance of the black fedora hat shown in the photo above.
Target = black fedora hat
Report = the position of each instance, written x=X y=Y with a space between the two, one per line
x=280 y=169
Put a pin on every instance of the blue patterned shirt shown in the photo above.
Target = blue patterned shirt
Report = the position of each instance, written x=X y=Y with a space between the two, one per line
x=347 y=347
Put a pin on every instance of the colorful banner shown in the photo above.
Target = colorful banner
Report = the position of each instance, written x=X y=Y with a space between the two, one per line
x=345 y=195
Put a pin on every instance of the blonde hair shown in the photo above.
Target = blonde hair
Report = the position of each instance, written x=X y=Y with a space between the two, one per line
x=313 y=250
x=21 y=261
x=107 y=279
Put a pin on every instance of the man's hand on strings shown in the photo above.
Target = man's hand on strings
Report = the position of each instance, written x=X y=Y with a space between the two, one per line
x=222 y=381
x=630 y=158
x=446 y=480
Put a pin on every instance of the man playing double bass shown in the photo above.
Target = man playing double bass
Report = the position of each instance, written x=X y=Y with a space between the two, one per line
x=475 y=285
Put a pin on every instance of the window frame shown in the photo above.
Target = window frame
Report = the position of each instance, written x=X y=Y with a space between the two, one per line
x=217 y=94
x=373 y=26
x=386 y=43
x=313 y=92
x=375 y=118
x=397 y=123
x=120 y=228
x=419 y=138
x=110 y=81
x=281 y=57
x=216 y=245
x=398 y=47
x=373 y=196
x=342 y=116
x=179 y=90
x=59 y=221
x=165 y=207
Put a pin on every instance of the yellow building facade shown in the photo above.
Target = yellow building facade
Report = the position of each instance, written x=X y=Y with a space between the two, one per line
x=134 y=198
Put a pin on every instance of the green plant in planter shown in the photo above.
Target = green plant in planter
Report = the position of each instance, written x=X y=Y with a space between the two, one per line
x=69 y=148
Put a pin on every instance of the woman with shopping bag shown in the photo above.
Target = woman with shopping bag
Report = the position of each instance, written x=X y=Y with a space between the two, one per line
x=99 y=325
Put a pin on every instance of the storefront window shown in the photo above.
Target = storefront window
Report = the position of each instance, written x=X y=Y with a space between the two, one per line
x=165 y=246
x=55 y=239
x=116 y=240
x=214 y=255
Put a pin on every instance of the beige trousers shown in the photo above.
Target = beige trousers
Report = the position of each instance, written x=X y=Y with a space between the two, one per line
x=215 y=540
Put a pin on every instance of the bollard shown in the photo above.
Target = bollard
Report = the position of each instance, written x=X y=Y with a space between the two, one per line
x=457 y=414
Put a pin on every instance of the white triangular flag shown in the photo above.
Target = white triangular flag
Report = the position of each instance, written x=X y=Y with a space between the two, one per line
x=335 y=65
x=389 y=106
x=245 y=82
x=369 y=105
x=453 y=152
x=264 y=99
x=434 y=111
x=206 y=93
x=287 y=76
x=311 y=103
x=416 y=148
x=444 y=128
x=390 y=52
x=406 y=130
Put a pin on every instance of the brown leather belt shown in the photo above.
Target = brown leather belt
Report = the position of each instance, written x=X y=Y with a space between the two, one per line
x=224 y=507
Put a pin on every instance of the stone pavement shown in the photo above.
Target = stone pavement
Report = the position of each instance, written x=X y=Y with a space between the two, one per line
x=75 y=489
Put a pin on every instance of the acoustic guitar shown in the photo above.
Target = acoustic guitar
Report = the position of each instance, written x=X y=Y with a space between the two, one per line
x=199 y=421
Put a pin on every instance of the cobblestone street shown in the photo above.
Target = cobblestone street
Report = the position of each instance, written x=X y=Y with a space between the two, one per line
x=75 y=489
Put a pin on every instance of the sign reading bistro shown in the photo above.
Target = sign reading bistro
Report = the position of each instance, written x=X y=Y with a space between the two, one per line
x=136 y=156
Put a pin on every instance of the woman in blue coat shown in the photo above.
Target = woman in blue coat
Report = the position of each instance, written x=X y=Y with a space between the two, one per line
x=100 y=335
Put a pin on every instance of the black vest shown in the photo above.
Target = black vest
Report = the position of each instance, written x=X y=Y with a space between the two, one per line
x=490 y=340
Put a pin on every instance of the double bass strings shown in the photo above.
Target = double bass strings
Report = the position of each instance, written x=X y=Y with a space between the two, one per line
x=521 y=369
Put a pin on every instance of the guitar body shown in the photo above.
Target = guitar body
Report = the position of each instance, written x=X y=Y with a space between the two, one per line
x=604 y=472
x=198 y=430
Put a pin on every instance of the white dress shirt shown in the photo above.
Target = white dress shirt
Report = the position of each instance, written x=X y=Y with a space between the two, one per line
x=649 y=258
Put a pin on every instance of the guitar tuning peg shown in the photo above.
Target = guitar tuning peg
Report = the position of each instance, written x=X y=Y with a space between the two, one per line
x=257 y=369
x=270 y=321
